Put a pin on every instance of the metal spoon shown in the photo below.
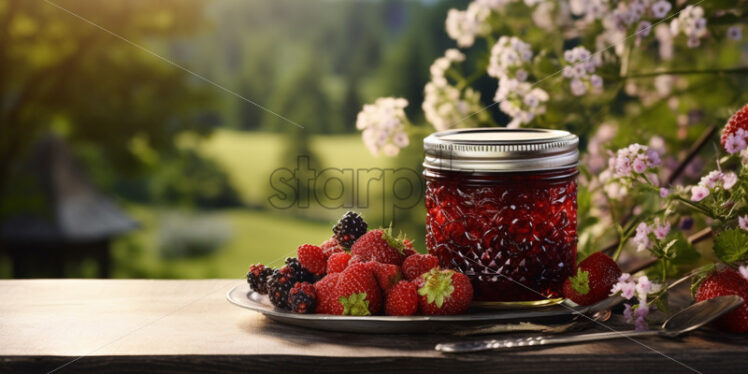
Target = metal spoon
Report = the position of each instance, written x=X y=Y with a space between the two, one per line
x=686 y=320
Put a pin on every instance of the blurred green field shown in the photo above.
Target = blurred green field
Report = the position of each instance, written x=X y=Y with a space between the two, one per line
x=250 y=157
x=266 y=236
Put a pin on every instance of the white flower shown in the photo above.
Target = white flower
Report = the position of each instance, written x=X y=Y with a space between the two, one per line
x=660 y=231
x=641 y=239
x=580 y=63
x=660 y=9
x=743 y=222
x=443 y=104
x=729 y=180
x=744 y=269
x=735 y=32
x=464 y=26
x=698 y=193
x=508 y=56
x=665 y=40
x=383 y=125
x=692 y=23
x=520 y=101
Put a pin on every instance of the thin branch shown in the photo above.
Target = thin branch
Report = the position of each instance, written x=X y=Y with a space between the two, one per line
x=740 y=70
x=693 y=239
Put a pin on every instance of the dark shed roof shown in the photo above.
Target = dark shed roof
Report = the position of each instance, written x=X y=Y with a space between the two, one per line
x=53 y=200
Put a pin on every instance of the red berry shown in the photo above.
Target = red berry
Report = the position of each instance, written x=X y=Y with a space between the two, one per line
x=337 y=262
x=327 y=302
x=302 y=298
x=594 y=278
x=739 y=120
x=387 y=275
x=417 y=264
x=331 y=246
x=402 y=300
x=379 y=245
x=358 y=292
x=727 y=282
x=444 y=292
x=312 y=258
x=408 y=250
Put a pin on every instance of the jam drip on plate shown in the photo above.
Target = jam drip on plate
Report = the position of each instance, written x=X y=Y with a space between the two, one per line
x=514 y=235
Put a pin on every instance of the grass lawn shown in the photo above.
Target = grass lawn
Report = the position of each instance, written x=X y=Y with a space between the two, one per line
x=257 y=237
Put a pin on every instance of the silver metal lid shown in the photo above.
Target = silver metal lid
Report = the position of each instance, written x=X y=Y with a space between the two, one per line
x=501 y=150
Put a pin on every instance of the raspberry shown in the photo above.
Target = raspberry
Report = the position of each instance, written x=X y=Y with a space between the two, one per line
x=302 y=298
x=417 y=264
x=257 y=278
x=349 y=228
x=402 y=300
x=739 y=120
x=337 y=262
x=312 y=258
x=331 y=246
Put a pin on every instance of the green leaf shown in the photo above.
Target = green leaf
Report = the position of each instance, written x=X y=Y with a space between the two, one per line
x=355 y=305
x=681 y=251
x=581 y=282
x=731 y=246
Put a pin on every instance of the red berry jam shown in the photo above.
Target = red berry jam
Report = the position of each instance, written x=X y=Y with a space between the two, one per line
x=511 y=229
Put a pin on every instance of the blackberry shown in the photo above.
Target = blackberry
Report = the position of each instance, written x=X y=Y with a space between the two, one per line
x=302 y=298
x=350 y=227
x=257 y=277
x=283 y=279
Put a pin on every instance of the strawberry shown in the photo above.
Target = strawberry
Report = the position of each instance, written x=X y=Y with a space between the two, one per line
x=312 y=258
x=444 y=292
x=402 y=300
x=408 y=250
x=379 y=245
x=739 y=120
x=327 y=302
x=727 y=282
x=594 y=278
x=358 y=292
x=337 y=262
x=417 y=264
x=331 y=246
x=387 y=275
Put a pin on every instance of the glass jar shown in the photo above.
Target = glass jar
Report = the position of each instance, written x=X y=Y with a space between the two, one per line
x=501 y=207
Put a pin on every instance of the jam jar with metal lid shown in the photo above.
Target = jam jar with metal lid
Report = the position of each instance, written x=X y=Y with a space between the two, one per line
x=501 y=207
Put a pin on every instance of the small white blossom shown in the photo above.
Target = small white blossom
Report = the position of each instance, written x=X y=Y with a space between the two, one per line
x=641 y=239
x=580 y=64
x=736 y=142
x=699 y=193
x=632 y=160
x=464 y=25
x=692 y=23
x=508 y=57
x=383 y=126
x=443 y=104
x=520 y=101
x=660 y=9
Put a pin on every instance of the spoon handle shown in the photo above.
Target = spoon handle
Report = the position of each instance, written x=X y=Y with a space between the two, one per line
x=507 y=344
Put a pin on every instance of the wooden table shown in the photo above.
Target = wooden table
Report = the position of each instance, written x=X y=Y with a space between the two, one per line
x=188 y=326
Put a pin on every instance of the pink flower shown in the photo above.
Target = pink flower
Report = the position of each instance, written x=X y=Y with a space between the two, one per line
x=625 y=286
x=661 y=231
x=735 y=144
x=729 y=180
x=711 y=179
x=628 y=314
x=641 y=239
x=698 y=193
x=743 y=222
x=640 y=315
x=743 y=269
x=664 y=192
x=640 y=165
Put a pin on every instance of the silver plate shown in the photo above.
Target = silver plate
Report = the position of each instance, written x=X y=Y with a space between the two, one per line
x=243 y=297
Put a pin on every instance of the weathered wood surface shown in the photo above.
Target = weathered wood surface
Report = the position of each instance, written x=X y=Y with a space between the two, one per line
x=188 y=326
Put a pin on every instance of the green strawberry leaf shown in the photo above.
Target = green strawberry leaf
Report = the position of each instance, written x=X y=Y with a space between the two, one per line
x=355 y=305
x=392 y=241
x=731 y=246
x=437 y=286
x=581 y=282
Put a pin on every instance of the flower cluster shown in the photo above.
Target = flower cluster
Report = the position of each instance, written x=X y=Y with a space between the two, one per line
x=642 y=287
x=743 y=222
x=711 y=182
x=520 y=101
x=644 y=234
x=589 y=10
x=383 y=124
x=464 y=25
x=737 y=141
x=444 y=105
x=580 y=69
x=692 y=23
x=508 y=56
x=634 y=160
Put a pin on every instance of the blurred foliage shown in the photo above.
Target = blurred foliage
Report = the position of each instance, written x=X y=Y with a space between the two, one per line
x=184 y=235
